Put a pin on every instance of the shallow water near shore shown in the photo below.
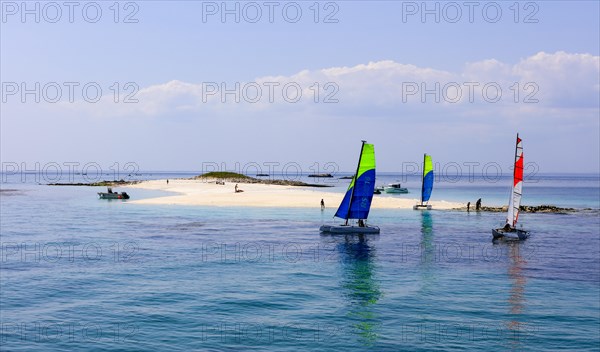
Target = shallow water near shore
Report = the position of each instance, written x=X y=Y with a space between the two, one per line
x=80 y=273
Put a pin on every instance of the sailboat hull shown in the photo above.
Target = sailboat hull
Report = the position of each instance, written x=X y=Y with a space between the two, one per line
x=341 y=229
x=395 y=190
x=422 y=207
x=512 y=235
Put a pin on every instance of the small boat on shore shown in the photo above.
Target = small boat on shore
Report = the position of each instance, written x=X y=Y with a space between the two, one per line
x=426 y=184
x=320 y=175
x=112 y=195
x=510 y=231
x=395 y=188
x=357 y=200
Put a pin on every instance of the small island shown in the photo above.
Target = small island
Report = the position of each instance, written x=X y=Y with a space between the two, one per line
x=320 y=175
x=222 y=176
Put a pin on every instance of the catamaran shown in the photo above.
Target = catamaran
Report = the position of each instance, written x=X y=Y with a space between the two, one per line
x=510 y=231
x=426 y=184
x=357 y=200
x=395 y=188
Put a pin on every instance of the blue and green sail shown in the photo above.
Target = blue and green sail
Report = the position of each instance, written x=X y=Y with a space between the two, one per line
x=357 y=201
x=427 y=179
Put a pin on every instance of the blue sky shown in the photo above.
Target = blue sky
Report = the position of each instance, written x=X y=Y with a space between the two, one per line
x=366 y=61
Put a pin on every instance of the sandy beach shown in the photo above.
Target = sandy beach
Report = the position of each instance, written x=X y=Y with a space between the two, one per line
x=208 y=193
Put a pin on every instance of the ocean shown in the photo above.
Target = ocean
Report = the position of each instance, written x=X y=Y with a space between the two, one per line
x=83 y=274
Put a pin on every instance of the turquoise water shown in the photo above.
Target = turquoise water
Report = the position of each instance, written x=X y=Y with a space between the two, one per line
x=85 y=274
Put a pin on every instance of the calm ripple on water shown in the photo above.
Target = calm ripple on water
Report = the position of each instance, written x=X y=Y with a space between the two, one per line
x=81 y=274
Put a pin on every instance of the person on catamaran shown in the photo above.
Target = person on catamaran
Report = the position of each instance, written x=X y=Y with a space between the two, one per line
x=478 y=204
x=361 y=223
x=322 y=205
x=507 y=227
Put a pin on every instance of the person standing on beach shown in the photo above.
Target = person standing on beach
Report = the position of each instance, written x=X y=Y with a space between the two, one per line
x=322 y=205
x=167 y=181
x=468 y=207
x=478 y=204
x=236 y=189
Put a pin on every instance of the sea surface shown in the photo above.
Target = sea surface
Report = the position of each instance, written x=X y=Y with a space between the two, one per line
x=83 y=274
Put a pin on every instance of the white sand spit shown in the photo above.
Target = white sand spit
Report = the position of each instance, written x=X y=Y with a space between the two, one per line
x=208 y=193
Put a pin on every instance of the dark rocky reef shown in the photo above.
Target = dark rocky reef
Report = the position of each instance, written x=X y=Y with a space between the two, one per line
x=10 y=192
x=233 y=177
x=544 y=208
x=99 y=183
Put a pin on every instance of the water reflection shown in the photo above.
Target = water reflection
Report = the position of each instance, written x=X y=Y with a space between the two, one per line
x=358 y=271
x=516 y=328
x=427 y=252
x=427 y=247
x=426 y=268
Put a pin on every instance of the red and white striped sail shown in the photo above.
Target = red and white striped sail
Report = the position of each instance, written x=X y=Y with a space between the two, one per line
x=515 y=197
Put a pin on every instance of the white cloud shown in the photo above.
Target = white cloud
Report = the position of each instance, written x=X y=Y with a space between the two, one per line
x=531 y=86
x=565 y=80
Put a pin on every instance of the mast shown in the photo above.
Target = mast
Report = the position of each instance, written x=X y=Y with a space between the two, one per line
x=355 y=177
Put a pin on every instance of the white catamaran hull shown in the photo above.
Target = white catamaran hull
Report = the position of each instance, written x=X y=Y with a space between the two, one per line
x=349 y=229
x=395 y=190
x=422 y=207
x=512 y=235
